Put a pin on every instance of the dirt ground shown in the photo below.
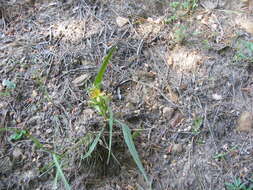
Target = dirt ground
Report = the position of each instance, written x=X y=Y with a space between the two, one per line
x=181 y=78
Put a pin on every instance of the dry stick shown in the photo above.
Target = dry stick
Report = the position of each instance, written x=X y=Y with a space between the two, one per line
x=51 y=60
x=139 y=47
x=210 y=126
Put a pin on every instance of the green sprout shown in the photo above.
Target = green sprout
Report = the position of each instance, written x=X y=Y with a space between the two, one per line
x=238 y=185
x=9 y=88
x=244 y=51
x=197 y=123
x=18 y=135
x=100 y=101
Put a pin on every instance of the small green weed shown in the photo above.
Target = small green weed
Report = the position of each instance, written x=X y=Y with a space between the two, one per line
x=18 y=135
x=224 y=154
x=180 y=9
x=188 y=5
x=237 y=184
x=175 y=4
x=180 y=34
x=197 y=123
x=171 y=19
x=9 y=88
x=206 y=44
x=9 y=84
x=59 y=173
x=101 y=102
x=244 y=51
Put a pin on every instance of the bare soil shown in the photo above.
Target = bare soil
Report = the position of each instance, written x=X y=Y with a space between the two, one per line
x=181 y=78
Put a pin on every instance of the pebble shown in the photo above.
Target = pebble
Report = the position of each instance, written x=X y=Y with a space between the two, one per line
x=121 y=21
x=168 y=112
x=245 y=122
x=177 y=148
x=17 y=153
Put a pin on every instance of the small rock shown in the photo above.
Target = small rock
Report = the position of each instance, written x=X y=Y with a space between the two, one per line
x=168 y=112
x=176 y=119
x=34 y=94
x=207 y=4
x=217 y=97
x=17 y=153
x=121 y=21
x=199 y=17
x=48 y=131
x=29 y=175
x=245 y=122
x=177 y=148
x=3 y=105
x=129 y=106
x=246 y=24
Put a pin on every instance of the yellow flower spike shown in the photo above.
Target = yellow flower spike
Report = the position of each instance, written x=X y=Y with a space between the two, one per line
x=95 y=93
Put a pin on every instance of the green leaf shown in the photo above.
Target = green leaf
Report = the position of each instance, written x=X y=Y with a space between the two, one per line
x=136 y=134
x=197 y=124
x=93 y=145
x=175 y=4
x=131 y=147
x=249 y=45
x=18 y=135
x=9 y=84
x=110 y=133
x=60 y=172
x=56 y=179
x=106 y=60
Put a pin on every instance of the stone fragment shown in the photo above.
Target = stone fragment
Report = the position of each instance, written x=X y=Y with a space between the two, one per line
x=177 y=148
x=17 y=153
x=121 y=21
x=168 y=112
x=245 y=122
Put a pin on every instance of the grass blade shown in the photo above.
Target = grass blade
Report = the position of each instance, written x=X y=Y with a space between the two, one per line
x=130 y=144
x=60 y=173
x=93 y=145
x=110 y=133
x=56 y=179
x=106 y=60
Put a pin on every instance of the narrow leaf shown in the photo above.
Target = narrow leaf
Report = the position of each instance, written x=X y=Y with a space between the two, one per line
x=110 y=133
x=59 y=170
x=130 y=144
x=35 y=141
x=18 y=135
x=56 y=179
x=106 y=60
x=93 y=145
